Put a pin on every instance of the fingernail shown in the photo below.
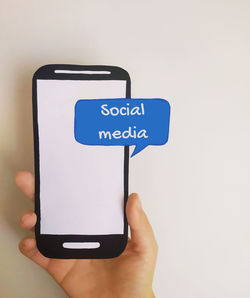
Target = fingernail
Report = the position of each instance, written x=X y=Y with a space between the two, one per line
x=23 y=219
x=139 y=207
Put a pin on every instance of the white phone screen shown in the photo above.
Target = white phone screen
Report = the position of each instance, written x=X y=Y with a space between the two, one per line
x=81 y=187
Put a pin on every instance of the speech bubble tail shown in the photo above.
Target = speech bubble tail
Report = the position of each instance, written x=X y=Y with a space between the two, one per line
x=138 y=148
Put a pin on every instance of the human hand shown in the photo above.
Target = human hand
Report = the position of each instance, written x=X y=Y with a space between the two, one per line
x=130 y=275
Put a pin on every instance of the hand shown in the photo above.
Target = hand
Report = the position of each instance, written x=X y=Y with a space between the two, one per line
x=130 y=275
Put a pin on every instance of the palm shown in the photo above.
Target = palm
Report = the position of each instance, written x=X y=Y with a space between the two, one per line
x=109 y=274
x=129 y=275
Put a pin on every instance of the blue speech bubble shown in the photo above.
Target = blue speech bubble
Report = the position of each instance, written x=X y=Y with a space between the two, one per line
x=122 y=121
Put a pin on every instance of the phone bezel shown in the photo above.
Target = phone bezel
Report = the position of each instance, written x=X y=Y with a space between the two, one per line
x=52 y=245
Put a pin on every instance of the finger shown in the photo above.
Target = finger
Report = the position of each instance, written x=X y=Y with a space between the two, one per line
x=25 y=181
x=28 y=220
x=28 y=247
x=142 y=234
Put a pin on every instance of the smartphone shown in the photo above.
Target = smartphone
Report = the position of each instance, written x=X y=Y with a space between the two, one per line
x=80 y=191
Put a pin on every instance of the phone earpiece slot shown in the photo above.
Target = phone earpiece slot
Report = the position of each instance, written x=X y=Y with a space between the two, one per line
x=82 y=71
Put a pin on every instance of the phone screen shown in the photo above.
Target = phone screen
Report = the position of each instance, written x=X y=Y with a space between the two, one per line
x=81 y=187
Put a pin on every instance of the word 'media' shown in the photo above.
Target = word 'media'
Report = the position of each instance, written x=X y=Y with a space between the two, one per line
x=126 y=134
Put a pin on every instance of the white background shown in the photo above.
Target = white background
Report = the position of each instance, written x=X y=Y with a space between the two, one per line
x=196 y=189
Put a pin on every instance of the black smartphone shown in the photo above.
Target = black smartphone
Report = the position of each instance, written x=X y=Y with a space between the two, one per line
x=80 y=191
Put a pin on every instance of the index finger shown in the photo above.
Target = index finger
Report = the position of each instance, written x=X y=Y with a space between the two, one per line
x=26 y=182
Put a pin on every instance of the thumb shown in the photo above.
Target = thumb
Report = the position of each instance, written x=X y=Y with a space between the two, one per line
x=141 y=231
